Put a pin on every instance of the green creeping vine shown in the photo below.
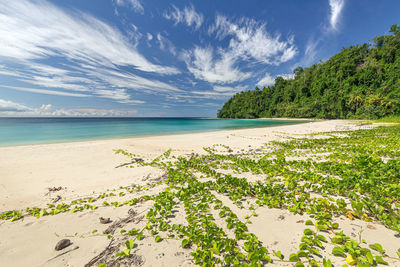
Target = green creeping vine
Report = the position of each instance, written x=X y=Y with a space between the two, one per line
x=355 y=175
x=81 y=204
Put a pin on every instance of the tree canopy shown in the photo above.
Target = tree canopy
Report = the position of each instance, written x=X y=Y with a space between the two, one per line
x=361 y=81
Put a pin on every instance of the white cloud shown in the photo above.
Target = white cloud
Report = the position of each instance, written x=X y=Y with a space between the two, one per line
x=336 y=9
x=91 y=53
x=149 y=37
x=166 y=44
x=105 y=112
x=134 y=4
x=9 y=106
x=134 y=33
x=47 y=69
x=100 y=82
x=118 y=94
x=121 y=79
x=211 y=94
x=218 y=92
x=201 y=63
x=268 y=80
x=64 y=82
x=44 y=91
x=311 y=48
x=46 y=107
x=310 y=54
x=287 y=76
x=188 y=15
x=248 y=41
x=9 y=73
x=47 y=76
x=133 y=102
x=230 y=89
x=39 y=30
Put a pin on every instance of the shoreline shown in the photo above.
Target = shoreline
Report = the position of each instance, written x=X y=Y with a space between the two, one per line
x=53 y=164
x=295 y=121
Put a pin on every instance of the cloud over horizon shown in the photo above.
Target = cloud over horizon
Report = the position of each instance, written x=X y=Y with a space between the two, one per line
x=9 y=108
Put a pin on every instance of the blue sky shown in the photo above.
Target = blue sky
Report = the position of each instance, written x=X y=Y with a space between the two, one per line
x=166 y=58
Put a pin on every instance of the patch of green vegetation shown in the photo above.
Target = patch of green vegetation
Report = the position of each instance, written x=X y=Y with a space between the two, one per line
x=361 y=81
x=390 y=119
x=361 y=167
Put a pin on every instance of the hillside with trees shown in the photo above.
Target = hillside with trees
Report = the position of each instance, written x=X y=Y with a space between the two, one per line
x=361 y=81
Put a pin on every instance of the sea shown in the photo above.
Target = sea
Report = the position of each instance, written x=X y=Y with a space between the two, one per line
x=26 y=131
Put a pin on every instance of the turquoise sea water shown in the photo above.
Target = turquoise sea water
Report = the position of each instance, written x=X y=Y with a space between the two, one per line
x=22 y=131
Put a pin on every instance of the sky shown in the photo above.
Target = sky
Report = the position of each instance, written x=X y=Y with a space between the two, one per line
x=158 y=58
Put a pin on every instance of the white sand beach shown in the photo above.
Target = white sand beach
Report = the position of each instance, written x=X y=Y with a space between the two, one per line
x=84 y=169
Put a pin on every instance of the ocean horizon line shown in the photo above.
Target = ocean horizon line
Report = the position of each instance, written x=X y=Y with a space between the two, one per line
x=41 y=130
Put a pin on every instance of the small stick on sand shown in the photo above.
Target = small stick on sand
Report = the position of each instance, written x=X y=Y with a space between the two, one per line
x=65 y=252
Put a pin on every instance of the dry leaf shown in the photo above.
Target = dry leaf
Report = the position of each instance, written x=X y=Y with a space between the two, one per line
x=350 y=215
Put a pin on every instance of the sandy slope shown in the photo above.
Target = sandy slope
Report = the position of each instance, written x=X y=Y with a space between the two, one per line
x=81 y=168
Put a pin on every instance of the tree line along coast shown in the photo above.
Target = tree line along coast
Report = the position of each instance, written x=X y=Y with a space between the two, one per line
x=359 y=82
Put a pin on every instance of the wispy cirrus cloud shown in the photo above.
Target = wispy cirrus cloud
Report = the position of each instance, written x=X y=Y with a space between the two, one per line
x=248 y=41
x=120 y=95
x=136 y=5
x=188 y=15
x=218 y=92
x=311 y=52
x=166 y=44
x=336 y=8
x=38 y=30
x=59 y=81
x=212 y=94
x=44 y=91
x=230 y=89
x=312 y=48
x=4 y=70
x=80 y=44
x=97 y=82
x=222 y=92
x=121 y=79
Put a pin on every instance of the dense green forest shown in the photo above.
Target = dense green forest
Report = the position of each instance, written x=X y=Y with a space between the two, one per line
x=361 y=81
